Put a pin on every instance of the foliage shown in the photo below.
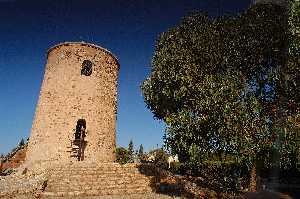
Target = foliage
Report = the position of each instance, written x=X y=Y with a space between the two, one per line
x=161 y=158
x=122 y=155
x=221 y=176
x=5 y=158
x=140 y=153
x=177 y=168
x=131 y=151
x=20 y=146
x=229 y=86
x=21 y=143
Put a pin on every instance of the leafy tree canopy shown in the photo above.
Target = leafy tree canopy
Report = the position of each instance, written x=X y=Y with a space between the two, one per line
x=131 y=151
x=228 y=85
x=141 y=151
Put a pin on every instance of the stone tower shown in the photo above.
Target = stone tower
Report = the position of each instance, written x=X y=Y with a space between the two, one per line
x=80 y=83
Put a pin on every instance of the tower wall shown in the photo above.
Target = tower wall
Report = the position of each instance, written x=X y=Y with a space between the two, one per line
x=66 y=96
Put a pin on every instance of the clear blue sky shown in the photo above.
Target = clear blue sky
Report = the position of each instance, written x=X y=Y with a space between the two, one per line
x=128 y=28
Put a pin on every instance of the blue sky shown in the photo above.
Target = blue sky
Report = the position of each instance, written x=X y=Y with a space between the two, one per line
x=128 y=28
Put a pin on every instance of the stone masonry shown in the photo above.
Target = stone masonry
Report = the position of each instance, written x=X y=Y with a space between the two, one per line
x=68 y=95
x=81 y=179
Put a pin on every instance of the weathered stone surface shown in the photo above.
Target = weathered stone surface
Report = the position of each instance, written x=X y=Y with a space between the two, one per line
x=67 y=95
x=20 y=185
x=131 y=196
x=82 y=179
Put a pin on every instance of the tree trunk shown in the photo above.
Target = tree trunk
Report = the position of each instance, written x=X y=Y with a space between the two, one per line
x=253 y=185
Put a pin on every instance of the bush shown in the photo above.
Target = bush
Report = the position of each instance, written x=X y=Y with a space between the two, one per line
x=225 y=177
x=143 y=158
x=161 y=158
x=177 y=168
x=122 y=155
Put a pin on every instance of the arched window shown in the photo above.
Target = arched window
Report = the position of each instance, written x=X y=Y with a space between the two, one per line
x=86 y=68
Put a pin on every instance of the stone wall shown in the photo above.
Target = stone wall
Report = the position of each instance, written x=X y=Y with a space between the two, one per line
x=67 y=95
x=81 y=179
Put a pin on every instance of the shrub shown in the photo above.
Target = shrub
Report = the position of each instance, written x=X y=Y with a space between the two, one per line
x=161 y=158
x=122 y=155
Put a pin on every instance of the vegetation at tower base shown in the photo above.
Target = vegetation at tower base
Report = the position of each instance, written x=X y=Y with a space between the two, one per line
x=228 y=90
x=131 y=152
x=122 y=155
x=13 y=159
x=140 y=152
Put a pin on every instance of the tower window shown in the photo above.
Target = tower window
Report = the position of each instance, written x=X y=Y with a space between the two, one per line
x=86 y=68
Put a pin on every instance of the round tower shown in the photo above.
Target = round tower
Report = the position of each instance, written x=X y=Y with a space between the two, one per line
x=78 y=95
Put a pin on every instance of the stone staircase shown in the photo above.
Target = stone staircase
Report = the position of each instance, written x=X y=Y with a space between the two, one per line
x=76 y=149
x=86 y=179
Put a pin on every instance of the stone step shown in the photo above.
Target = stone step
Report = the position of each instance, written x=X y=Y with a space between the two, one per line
x=78 y=187
x=127 y=196
x=73 y=186
x=97 y=174
x=104 y=167
x=90 y=179
x=99 y=178
x=95 y=192
x=101 y=182
x=100 y=169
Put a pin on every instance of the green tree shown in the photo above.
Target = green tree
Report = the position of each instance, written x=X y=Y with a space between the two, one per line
x=140 y=152
x=21 y=143
x=131 y=151
x=122 y=155
x=227 y=86
x=292 y=88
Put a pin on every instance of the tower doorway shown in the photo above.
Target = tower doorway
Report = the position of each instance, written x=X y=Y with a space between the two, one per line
x=78 y=144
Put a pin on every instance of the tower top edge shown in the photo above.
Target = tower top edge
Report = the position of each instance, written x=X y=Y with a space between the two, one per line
x=82 y=44
x=283 y=3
